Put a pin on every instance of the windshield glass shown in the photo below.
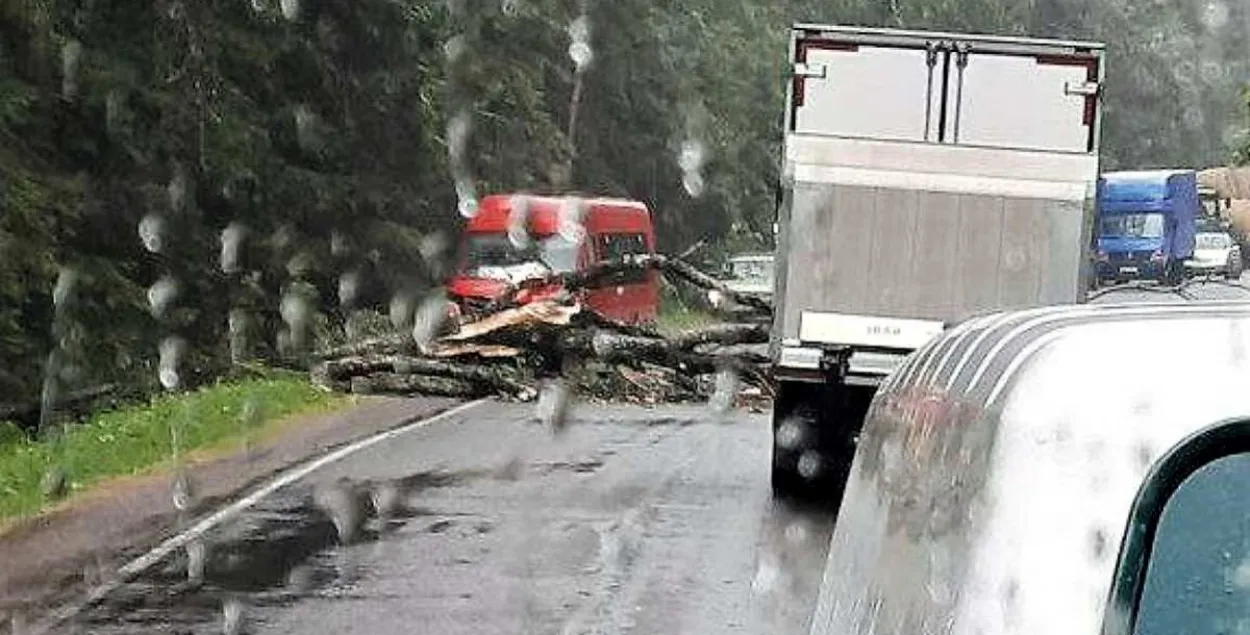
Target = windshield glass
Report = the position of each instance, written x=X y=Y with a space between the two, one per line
x=1144 y=225
x=1212 y=241
x=486 y=254
x=1210 y=224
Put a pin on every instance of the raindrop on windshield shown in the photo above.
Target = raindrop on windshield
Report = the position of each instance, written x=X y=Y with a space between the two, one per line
x=297 y=313
x=796 y=532
x=346 y=505
x=454 y=48
x=171 y=351
x=349 y=287
x=300 y=264
x=725 y=392
x=766 y=575
x=693 y=184
x=387 y=499
x=231 y=241
x=570 y=220
x=250 y=414
x=432 y=246
x=232 y=617
x=1215 y=15
x=458 y=129
x=66 y=280
x=238 y=323
x=553 y=404
x=789 y=434
x=177 y=189
x=197 y=560
x=17 y=623
x=283 y=237
x=339 y=244
x=579 y=43
x=71 y=54
x=691 y=158
x=152 y=233
x=403 y=305
x=518 y=221
x=809 y=464
x=429 y=318
x=466 y=194
x=162 y=294
x=55 y=484
x=290 y=9
x=307 y=128
x=182 y=491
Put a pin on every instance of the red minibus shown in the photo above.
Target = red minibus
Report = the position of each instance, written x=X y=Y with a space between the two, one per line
x=518 y=237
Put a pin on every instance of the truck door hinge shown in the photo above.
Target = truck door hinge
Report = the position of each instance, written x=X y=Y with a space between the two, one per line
x=962 y=50
x=1086 y=89
x=813 y=71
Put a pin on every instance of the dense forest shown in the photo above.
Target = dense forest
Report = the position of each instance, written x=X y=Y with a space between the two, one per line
x=189 y=180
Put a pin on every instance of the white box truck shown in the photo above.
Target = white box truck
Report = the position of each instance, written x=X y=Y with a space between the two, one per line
x=927 y=178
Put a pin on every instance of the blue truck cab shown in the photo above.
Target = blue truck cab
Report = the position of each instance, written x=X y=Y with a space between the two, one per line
x=1146 y=224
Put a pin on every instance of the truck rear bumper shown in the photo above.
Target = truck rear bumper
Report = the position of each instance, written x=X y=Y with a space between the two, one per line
x=865 y=349
x=1131 y=270
x=862 y=368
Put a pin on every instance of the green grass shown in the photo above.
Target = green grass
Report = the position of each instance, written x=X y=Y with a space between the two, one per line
x=677 y=315
x=678 y=320
x=136 y=439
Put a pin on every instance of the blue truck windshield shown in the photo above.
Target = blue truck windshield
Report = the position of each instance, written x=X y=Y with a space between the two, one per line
x=1145 y=225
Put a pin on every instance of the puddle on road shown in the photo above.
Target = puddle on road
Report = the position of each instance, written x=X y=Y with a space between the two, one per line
x=275 y=554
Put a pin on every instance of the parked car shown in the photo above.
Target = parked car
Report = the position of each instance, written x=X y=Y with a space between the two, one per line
x=1215 y=253
x=751 y=274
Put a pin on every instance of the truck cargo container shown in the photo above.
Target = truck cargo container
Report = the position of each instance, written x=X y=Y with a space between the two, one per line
x=927 y=177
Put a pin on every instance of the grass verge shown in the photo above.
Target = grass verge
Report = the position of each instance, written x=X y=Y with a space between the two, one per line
x=135 y=439
x=677 y=315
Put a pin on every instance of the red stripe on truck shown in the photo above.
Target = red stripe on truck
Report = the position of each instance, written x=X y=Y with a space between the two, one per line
x=800 y=55
x=1091 y=75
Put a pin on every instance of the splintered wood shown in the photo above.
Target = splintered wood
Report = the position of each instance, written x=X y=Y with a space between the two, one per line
x=507 y=353
x=512 y=347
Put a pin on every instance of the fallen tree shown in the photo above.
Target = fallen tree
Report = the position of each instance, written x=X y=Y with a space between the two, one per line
x=515 y=345
x=509 y=354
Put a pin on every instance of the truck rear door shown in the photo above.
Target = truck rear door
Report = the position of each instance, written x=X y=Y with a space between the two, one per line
x=940 y=88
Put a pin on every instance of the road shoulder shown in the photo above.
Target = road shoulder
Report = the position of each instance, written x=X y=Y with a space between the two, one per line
x=61 y=552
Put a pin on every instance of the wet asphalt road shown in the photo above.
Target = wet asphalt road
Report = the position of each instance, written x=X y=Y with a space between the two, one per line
x=632 y=520
x=1195 y=290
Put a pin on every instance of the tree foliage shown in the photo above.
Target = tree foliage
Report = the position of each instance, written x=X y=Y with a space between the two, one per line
x=336 y=137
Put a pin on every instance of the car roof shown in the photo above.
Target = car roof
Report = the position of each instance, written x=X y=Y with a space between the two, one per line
x=1028 y=435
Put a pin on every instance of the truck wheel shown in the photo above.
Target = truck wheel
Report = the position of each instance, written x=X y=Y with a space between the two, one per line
x=1173 y=275
x=791 y=422
x=815 y=428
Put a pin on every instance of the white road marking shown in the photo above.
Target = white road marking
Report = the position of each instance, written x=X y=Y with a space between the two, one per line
x=283 y=479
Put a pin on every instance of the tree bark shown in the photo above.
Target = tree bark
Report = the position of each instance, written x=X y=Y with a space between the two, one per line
x=491 y=378
x=417 y=385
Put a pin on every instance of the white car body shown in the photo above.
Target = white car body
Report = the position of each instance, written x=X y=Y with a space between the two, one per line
x=752 y=275
x=1214 y=253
